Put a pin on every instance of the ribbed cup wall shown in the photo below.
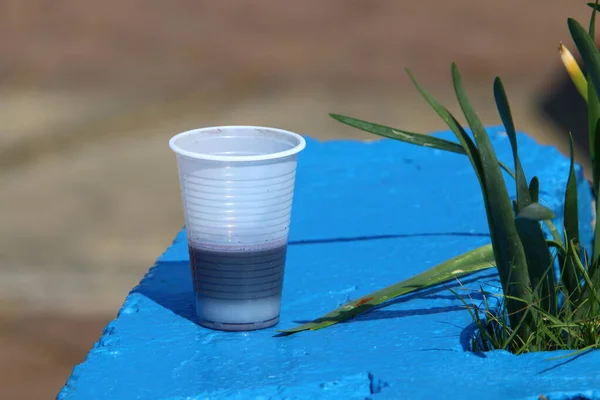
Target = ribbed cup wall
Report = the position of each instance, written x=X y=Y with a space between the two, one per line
x=237 y=185
x=237 y=206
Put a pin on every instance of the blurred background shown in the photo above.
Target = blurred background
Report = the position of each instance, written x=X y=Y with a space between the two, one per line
x=91 y=91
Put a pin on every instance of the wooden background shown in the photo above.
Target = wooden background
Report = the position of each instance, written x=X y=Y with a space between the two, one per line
x=90 y=93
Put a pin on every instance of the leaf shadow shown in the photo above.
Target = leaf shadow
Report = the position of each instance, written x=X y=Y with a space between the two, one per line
x=389 y=314
x=431 y=293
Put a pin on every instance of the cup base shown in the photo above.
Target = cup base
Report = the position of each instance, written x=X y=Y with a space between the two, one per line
x=253 y=326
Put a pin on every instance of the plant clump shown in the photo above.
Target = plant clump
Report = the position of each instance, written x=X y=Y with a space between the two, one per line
x=549 y=296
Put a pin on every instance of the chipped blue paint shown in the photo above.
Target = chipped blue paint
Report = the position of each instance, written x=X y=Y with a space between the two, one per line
x=365 y=215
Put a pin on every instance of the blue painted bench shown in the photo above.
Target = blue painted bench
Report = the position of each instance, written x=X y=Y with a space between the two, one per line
x=365 y=215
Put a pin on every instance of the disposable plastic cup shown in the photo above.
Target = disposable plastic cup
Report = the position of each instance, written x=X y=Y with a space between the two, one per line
x=237 y=185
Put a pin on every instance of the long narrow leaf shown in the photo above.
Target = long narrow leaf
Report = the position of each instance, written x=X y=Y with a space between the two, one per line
x=571 y=210
x=593 y=117
x=596 y=179
x=569 y=272
x=435 y=143
x=432 y=142
x=591 y=293
x=508 y=249
x=588 y=51
x=534 y=189
x=399 y=134
x=466 y=142
x=591 y=59
x=418 y=139
x=579 y=272
x=523 y=196
x=554 y=232
x=593 y=110
x=539 y=263
x=594 y=114
x=592 y=27
x=472 y=261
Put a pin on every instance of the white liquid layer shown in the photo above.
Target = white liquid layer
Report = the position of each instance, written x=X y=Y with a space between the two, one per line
x=237 y=311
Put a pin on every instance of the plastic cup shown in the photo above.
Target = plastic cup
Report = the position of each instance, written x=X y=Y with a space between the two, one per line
x=237 y=185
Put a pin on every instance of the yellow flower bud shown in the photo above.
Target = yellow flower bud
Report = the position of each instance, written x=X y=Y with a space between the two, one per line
x=573 y=70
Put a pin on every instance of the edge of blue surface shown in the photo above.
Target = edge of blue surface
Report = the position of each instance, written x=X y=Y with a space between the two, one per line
x=153 y=350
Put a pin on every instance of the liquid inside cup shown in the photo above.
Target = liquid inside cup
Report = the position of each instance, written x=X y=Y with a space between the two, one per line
x=238 y=290
x=237 y=186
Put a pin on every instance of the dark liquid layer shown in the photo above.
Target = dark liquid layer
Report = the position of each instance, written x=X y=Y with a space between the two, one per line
x=243 y=275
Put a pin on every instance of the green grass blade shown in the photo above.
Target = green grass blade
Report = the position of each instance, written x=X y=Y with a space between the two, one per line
x=539 y=263
x=485 y=338
x=518 y=341
x=418 y=139
x=594 y=275
x=581 y=270
x=508 y=249
x=570 y=273
x=523 y=196
x=574 y=353
x=472 y=261
x=534 y=189
x=566 y=284
x=553 y=231
x=587 y=300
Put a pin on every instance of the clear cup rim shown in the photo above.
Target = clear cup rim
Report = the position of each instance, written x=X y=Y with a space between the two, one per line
x=263 y=157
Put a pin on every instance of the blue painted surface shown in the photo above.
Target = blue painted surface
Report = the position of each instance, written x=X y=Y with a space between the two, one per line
x=365 y=215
